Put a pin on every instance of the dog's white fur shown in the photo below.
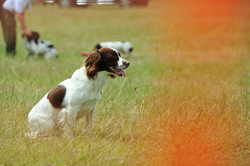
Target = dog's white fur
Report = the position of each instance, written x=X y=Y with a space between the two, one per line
x=81 y=97
x=122 y=46
x=40 y=48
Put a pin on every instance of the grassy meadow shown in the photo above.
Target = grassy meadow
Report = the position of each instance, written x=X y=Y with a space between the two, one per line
x=184 y=100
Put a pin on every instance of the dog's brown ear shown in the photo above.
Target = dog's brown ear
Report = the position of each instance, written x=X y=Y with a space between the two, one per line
x=92 y=64
x=35 y=36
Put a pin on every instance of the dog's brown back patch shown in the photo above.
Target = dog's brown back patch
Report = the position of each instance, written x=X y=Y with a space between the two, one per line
x=56 y=96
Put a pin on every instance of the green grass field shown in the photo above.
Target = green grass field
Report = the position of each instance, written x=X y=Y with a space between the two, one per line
x=184 y=100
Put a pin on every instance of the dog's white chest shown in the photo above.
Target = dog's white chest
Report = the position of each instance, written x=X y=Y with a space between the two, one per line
x=89 y=104
x=86 y=108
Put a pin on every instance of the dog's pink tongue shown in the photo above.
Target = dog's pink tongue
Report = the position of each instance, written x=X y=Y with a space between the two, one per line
x=121 y=72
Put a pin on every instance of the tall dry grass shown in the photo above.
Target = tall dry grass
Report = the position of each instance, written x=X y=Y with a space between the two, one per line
x=201 y=110
x=184 y=100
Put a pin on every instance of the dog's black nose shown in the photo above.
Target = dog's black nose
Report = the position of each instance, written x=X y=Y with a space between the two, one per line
x=126 y=63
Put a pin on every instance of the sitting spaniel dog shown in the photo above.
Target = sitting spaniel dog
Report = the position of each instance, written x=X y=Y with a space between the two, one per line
x=77 y=96
x=122 y=46
x=37 y=47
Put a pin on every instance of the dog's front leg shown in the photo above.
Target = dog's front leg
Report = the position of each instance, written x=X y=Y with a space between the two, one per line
x=37 y=55
x=70 y=121
x=29 y=54
x=89 y=120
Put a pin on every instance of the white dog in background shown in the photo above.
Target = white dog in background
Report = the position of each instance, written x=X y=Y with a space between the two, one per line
x=37 y=47
x=121 y=46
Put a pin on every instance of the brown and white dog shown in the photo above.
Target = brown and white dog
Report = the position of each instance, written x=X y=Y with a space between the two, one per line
x=77 y=96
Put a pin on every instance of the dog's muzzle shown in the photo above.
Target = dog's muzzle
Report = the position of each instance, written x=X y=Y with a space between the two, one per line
x=125 y=64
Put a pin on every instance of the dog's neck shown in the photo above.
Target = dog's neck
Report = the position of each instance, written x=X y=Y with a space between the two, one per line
x=100 y=80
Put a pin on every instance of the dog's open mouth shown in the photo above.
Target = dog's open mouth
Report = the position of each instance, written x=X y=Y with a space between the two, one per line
x=116 y=71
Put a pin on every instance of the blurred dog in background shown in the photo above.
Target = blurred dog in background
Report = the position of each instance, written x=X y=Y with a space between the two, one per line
x=121 y=46
x=37 y=47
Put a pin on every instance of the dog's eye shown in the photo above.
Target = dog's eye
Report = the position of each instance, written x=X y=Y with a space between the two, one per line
x=113 y=55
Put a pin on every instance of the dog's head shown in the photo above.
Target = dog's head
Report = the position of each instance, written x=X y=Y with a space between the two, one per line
x=35 y=36
x=105 y=59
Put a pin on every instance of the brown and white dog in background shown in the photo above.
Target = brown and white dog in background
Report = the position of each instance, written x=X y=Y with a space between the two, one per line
x=37 y=47
x=77 y=96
